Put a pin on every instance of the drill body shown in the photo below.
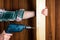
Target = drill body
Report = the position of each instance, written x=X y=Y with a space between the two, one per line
x=11 y=28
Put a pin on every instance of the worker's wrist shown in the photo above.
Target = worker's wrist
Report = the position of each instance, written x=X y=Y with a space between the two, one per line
x=26 y=15
x=20 y=14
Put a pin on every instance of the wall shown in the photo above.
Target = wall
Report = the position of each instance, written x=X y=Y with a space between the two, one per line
x=12 y=5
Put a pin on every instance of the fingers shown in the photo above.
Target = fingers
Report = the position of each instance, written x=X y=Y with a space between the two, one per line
x=1 y=37
x=6 y=36
x=45 y=11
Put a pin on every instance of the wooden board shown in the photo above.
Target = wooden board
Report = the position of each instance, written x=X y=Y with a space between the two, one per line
x=41 y=25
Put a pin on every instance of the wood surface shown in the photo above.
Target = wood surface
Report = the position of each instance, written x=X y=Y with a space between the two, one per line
x=57 y=10
x=12 y=5
x=50 y=20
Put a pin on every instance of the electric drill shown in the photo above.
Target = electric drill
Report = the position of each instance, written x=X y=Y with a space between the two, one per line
x=11 y=28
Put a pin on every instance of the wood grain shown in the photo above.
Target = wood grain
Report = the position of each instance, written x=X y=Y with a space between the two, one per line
x=12 y=5
x=50 y=29
x=57 y=4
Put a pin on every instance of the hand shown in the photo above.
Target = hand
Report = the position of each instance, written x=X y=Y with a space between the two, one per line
x=5 y=36
x=1 y=37
x=45 y=11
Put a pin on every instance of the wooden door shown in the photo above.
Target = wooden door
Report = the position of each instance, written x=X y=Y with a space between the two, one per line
x=12 y=5
x=57 y=6
x=50 y=20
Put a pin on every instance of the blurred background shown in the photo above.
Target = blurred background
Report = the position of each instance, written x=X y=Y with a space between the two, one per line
x=28 y=5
